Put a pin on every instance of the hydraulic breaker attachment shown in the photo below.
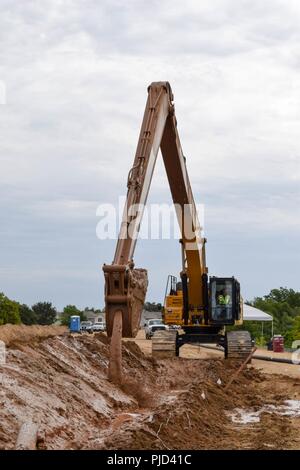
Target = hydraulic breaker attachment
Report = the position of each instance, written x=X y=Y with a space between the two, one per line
x=125 y=290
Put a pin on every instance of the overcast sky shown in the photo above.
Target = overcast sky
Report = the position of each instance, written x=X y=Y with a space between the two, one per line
x=76 y=74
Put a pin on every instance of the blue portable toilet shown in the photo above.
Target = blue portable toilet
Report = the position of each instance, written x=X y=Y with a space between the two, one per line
x=75 y=324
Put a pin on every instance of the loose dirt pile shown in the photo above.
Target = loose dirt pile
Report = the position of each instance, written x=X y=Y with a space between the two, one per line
x=61 y=384
x=24 y=334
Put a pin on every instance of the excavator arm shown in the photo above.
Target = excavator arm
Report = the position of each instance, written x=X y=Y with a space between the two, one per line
x=126 y=286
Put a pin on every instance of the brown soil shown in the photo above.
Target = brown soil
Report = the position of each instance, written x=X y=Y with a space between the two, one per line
x=61 y=384
x=11 y=334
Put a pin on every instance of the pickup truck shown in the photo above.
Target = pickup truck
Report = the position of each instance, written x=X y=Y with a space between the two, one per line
x=99 y=326
x=86 y=326
x=153 y=325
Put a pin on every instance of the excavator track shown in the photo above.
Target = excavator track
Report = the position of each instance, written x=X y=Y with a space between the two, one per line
x=164 y=344
x=238 y=345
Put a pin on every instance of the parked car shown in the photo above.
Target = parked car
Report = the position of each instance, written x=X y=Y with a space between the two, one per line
x=153 y=325
x=86 y=326
x=99 y=326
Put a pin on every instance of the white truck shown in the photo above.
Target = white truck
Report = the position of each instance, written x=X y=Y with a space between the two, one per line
x=153 y=325
x=86 y=326
x=99 y=325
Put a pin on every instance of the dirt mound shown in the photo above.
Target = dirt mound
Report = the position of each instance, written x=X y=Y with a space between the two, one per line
x=12 y=334
x=61 y=384
x=192 y=409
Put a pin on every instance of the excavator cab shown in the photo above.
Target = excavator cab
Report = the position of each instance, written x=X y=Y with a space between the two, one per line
x=224 y=301
x=223 y=307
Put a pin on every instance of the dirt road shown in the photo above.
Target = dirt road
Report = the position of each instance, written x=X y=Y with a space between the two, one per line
x=198 y=352
x=60 y=383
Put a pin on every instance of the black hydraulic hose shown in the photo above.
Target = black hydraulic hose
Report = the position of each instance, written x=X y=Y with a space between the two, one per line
x=260 y=358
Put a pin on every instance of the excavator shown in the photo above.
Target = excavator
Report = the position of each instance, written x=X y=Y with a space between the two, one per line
x=200 y=306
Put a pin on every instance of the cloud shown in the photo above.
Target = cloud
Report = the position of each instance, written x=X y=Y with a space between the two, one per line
x=76 y=74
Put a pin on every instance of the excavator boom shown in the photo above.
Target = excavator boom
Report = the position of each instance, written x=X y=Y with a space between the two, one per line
x=125 y=286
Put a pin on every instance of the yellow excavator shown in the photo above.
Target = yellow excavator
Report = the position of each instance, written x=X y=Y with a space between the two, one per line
x=199 y=305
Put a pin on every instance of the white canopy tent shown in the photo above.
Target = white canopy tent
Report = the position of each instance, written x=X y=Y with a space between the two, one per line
x=254 y=314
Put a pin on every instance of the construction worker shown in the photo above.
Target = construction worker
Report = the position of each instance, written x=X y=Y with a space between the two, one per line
x=223 y=301
x=224 y=298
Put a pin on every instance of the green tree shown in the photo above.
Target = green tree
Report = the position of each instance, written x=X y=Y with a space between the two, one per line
x=294 y=333
x=9 y=310
x=281 y=312
x=284 y=306
x=284 y=295
x=28 y=317
x=152 y=306
x=70 y=310
x=45 y=313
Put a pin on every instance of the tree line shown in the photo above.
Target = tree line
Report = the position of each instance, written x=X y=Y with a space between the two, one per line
x=41 y=313
x=283 y=304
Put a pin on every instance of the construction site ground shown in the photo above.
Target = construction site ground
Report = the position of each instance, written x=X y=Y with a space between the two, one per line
x=59 y=382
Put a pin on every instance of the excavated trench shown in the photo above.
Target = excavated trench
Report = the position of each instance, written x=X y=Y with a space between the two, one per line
x=59 y=384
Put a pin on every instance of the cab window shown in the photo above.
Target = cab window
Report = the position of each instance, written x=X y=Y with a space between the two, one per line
x=221 y=301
